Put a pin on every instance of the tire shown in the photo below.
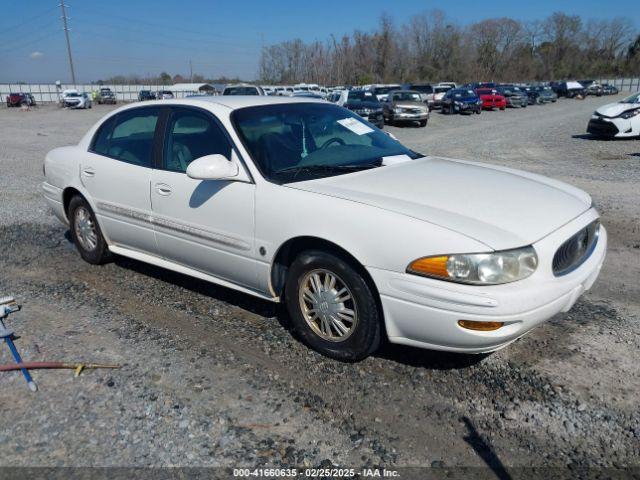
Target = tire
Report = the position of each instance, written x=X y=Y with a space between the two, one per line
x=363 y=337
x=503 y=108
x=93 y=249
x=423 y=123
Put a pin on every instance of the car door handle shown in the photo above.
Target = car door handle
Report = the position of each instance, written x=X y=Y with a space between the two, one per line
x=163 y=189
x=88 y=172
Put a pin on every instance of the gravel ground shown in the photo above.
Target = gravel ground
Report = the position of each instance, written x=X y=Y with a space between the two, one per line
x=212 y=377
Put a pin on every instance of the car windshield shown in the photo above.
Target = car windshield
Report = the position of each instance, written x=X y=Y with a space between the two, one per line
x=301 y=141
x=406 y=97
x=355 y=96
x=384 y=90
x=463 y=93
x=423 y=88
x=240 y=91
x=485 y=91
x=441 y=89
x=635 y=98
x=73 y=94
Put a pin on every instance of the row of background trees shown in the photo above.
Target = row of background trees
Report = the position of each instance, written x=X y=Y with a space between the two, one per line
x=431 y=47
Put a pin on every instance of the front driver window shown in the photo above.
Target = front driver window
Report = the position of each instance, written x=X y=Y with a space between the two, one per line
x=191 y=135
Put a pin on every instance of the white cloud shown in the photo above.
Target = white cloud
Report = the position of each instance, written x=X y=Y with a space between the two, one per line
x=36 y=55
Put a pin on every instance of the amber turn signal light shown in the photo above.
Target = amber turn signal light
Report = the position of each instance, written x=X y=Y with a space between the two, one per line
x=480 y=326
x=432 y=266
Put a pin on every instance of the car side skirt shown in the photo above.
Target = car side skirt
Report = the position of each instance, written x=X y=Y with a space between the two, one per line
x=163 y=263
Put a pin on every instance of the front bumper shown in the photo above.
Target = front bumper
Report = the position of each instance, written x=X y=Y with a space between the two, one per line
x=517 y=101
x=410 y=117
x=612 y=127
x=491 y=104
x=424 y=312
x=467 y=107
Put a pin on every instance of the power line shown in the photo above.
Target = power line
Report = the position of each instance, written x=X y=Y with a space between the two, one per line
x=66 y=34
x=28 y=21
x=137 y=22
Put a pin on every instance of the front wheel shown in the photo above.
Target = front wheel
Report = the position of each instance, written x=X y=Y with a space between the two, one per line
x=423 y=123
x=332 y=307
x=86 y=233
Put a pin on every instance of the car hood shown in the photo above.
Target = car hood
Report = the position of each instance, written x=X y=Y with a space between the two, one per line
x=408 y=104
x=499 y=207
x=615 y=109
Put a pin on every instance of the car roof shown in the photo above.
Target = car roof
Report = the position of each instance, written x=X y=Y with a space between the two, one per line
x=232 y=102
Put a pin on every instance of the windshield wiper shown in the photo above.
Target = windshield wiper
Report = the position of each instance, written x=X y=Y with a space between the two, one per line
x=326 y=168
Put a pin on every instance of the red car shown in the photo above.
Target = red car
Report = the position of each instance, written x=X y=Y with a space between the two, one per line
x=491 y=99
x=19 y=99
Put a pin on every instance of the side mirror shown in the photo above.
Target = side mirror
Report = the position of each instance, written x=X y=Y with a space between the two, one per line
x=212 y=167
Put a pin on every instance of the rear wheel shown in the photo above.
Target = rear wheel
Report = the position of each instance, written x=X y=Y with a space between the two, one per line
x=86 y=233
x=332 y=307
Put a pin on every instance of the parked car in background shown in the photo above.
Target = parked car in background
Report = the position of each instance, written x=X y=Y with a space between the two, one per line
x=164 y=95
x=73 y=99
x=405 y=106
x=448 y=84
x=144 y=95
x=365 y=104
x=302 y=202
x=491 y=99
x=545 y=94
x=475 y=85
x=617 y=120
x=381 y=91
x=308 y=95
x=424 y=89
x=608 y=89
x=106 y=95
x=243 y=89
x=569 y=89
x=591 y=87
x=461 y=100
x=514 y=96
x=532 y=93
x=439 y=91
x=18 y=99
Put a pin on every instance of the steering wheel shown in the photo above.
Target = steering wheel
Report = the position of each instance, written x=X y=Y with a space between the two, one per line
x=332 y=140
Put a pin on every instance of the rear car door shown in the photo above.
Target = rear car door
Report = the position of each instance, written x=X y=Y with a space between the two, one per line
x=207 y=225
x=117 y=174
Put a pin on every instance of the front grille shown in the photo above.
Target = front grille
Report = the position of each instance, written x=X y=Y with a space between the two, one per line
x=598 y=126
x=575 y=251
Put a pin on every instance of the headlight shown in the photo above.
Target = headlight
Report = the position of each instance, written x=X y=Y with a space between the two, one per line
x=630 y=113
x=458 y=103
x=398 y=110
x=478 y=268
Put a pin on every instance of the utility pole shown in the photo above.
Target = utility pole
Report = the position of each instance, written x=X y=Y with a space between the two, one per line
x=190 y=72
x=66 y=34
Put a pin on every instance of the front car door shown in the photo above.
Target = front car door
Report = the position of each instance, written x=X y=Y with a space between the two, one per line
x=207 y=225
x=117 y=174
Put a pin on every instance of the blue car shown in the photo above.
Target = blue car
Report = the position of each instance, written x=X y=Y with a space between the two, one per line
x=461 y=100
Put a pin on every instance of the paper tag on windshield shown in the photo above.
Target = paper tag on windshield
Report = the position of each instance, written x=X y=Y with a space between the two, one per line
x=393 y=159
x=355 y=126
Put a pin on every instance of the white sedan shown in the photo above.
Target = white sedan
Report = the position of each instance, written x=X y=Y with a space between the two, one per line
x=304 y=202
x=617 y=120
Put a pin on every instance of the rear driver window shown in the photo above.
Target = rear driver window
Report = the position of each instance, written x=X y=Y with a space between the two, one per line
x=128 y=136
x=103 y=137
